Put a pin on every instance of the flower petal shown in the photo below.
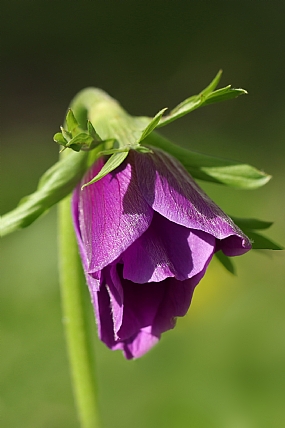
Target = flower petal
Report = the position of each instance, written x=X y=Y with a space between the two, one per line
x=112 y=215
x=170 y=190
x=165 y=250
x=139 y=344
x=146 y=310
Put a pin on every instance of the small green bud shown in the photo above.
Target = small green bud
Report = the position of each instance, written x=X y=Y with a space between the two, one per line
x=76 y=138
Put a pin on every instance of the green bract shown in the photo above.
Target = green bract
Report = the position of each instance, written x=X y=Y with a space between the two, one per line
x=96 y=125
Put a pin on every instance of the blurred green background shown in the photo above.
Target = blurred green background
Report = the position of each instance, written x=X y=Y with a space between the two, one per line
x=224 y=364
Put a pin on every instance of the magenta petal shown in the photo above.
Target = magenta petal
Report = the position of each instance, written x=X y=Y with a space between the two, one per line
x=173 y=193
x=112 y=214
x=146 y=311
x=167 y=250
x=139 y=344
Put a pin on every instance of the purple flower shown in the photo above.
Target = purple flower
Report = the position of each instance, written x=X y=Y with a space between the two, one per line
x=146 y=234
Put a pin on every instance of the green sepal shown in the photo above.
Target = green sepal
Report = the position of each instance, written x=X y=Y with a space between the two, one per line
x=112 y=163
x=207 y=96
x=210 y=168
x=226 y=262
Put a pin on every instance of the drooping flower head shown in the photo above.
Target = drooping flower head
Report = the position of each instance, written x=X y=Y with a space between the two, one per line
x=146 y=234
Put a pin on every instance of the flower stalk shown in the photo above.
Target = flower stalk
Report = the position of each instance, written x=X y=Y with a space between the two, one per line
x=75 y=322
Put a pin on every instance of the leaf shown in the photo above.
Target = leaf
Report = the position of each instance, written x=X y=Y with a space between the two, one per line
x=72 y=124
x=80 y=139
x=54 y=185
x=212 y=86
x=224 y=94
x=142 y=149
x=207 y=96
x=152 y=125
x=92 y=132
x=59 y=139
x=260 y=242
x=67 y=135
x=210 y=168
x=226 y=262
x=112 y=163
x=111 y=121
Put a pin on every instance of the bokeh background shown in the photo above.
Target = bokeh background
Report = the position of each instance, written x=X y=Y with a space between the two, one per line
x=224 y=364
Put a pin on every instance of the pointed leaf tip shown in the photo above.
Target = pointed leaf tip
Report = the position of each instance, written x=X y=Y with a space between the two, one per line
x=112 y=163
x=71 y=122
x=226 y=262
x=152 y=125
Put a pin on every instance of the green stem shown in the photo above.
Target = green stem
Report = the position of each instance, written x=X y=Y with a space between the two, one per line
x=74 y=316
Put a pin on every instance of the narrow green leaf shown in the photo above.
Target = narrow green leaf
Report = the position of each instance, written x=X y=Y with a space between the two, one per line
x=226 y=262
x=111 y=121
x=71 y=122
x=236 y=174
x=92 y=132
x=207 y=96
x=152 y=125
x=210 y=168
x=54 y=185
x=251 y=223
x=142 y=149
x=112 y=163
x=59 y=139
x=67 y=135
x=183 y=108
x=80 y=139
x=212 y=86
x=223 y=94
x=109 y=152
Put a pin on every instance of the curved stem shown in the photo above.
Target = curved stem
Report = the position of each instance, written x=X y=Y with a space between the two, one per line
x=74 y=317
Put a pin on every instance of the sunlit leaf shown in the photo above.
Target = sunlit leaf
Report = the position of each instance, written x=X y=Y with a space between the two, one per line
x=210 y=168
x=54 y=185
x=207 y=96
x=112 y=163
x=71 y=122
x=152 y=125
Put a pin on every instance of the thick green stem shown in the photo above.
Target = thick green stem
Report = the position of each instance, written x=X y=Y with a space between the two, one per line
x=74 y=317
